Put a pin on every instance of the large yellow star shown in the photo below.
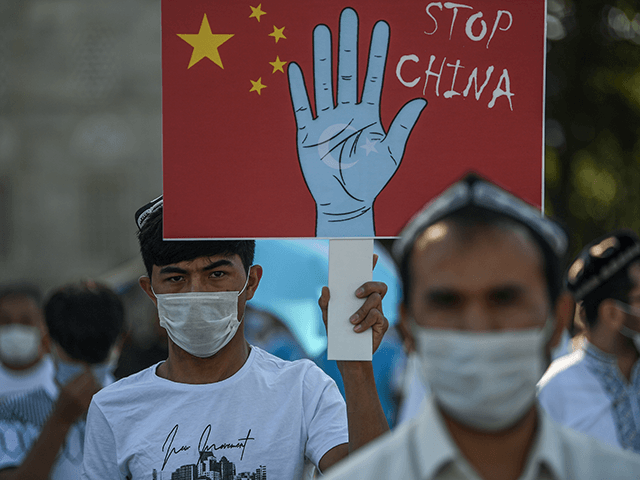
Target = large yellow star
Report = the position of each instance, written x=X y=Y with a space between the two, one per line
x=257 y=86
x=277 y=65
x=257 y=12
x=277 y=33
x=205 y=44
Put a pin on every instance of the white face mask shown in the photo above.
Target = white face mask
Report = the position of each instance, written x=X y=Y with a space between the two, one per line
x=484 y=380
x=19 y=344
x=201 y=323
x=626 y=331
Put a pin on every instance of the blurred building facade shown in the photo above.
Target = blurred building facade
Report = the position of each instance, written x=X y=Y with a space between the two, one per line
x=80 y=134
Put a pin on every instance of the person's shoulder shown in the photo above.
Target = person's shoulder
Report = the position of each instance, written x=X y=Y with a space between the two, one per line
x=269 y=362
x=303 y=372
x=589 y=458
x=127 y=386
x=562 y=370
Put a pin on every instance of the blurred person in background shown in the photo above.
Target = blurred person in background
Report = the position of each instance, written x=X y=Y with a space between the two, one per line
x=42 y=431
x=596 y=390
x=482 y=283
x=24 y=363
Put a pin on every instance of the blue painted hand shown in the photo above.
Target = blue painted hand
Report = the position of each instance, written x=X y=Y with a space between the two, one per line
x=345 y=154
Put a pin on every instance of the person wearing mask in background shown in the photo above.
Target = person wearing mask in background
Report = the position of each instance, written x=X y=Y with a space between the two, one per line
x=42 y=431
x=482 y=279
x=596 y=390
x=24 y=363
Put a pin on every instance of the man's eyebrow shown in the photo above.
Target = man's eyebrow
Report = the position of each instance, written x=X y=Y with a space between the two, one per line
x=171 y=269
x=438 y=293
x=508 y=287
x=216 y=264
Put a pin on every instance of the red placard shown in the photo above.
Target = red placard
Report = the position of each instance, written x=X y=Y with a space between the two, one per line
x=239 y=163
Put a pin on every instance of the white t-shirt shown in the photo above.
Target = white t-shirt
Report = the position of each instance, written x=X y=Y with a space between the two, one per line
x=264 y=421
x=14 y=382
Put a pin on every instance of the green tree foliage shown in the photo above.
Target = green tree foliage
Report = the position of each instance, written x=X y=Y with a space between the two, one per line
x=592 y=156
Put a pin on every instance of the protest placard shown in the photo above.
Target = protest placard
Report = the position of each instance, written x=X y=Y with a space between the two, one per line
x=261 y=140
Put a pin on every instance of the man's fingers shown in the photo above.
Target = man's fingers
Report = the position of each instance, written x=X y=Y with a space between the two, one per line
x=348 y=58
x=375 y=67
x=322 y=69
x=375 y=260
x=374 y=317
x=323 y=302
x=373 y=302
x=368 y=288
x=299 y=98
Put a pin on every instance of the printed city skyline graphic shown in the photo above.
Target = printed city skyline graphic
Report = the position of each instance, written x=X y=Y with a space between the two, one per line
x=210 y=468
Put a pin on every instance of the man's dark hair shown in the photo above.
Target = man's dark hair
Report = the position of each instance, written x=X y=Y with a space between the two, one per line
x=471 y=218
x=85 y=319
x=26 y=290
x=617 y=287
x=601 y=271
x=156 y=251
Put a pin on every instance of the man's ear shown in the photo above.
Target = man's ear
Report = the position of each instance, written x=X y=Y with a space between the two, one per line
x=610 y=314
x=255 y=274
x=404 y=328
x=564 y=312
x=145 y=284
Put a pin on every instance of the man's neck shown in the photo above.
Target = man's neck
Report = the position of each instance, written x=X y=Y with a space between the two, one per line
x=496 y=455
x=626 y=360
x=621 y=347
x=183 y=367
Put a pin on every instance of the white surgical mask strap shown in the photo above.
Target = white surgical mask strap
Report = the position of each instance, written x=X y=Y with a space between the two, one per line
x=548 y=328
x=246 y=281
x=626 y=308
x=630 y=310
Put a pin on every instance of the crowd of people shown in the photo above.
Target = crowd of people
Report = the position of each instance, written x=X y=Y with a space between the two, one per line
x=488 y=302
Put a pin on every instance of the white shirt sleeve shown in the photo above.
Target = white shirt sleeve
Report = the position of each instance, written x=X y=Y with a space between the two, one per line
x=325 y=414
x=100 y=459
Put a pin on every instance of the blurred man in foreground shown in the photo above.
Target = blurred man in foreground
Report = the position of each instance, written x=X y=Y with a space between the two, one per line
x=42 y=431
x=481 y=274
x=596 y=390
x=24 y=364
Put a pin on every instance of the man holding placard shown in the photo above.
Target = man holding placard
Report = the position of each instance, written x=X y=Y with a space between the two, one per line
x=482 y=277
x=218 y=407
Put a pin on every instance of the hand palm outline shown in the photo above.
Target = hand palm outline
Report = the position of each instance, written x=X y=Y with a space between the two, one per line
x=345 y=154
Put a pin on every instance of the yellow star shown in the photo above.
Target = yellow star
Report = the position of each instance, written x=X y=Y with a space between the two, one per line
x=256 y=12
x=277 y=65
x=205 y=44
x=257 y=86
x=277 y=33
